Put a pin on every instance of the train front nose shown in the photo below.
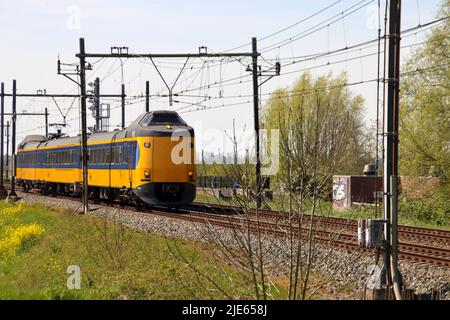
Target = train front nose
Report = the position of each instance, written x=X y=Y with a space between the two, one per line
x=172 y=172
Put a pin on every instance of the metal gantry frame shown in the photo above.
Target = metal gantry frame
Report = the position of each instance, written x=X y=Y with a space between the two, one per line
x=123 y=53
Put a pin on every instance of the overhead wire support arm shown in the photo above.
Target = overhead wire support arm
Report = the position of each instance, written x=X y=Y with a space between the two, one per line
x=175 y=82
x=270 y=75
x=59 y=109
x=68 y=73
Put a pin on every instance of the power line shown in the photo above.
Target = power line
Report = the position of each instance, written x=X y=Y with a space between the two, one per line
x=314 y=57
x=318 y=27
x=288 y=27
x=296 y=93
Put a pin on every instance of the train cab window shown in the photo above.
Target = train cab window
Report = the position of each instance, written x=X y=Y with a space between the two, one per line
x=162 y=119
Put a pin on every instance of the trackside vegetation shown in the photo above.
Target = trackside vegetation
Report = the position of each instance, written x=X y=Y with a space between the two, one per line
x=38 y=244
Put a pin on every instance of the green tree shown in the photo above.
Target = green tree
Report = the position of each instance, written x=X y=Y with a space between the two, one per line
x=321 y=124
x=425 y=111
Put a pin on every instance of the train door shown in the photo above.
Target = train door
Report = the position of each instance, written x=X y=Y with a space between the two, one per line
x=130 y=154
x=79 y=170
x=35 y=162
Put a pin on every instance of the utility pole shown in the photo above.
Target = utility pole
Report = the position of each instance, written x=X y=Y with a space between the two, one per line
x=147 y=96
x=391 y=140
x=256 y=116
x=3 y=192
x=7 y=150
x=46 y=123
x=97 y=103
x=123 y=106
x=235 y=147
x=12 y=194
x=84 y=151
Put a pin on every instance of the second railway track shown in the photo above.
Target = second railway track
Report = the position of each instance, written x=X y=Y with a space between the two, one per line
x=271 y=222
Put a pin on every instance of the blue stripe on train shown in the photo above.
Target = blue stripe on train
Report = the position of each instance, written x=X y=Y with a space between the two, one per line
x=131 y=164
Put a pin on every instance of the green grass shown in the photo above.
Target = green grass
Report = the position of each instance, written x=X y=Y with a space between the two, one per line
x=144 y=268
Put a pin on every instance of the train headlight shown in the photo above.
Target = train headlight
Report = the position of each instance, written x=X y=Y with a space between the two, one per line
x=146 y=174
x=191 y=176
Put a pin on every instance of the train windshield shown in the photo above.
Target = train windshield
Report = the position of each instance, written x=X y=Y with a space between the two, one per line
x=162 y=118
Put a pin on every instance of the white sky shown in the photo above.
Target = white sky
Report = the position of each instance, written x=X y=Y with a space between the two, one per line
x=35 y=32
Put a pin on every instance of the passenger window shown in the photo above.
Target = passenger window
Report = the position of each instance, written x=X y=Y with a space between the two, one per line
x=108 y=155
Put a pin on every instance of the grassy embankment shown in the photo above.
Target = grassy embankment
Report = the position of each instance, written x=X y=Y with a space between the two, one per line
x=37 y=244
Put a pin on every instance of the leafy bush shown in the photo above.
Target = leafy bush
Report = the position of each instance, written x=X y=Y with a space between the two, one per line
x=435 y=209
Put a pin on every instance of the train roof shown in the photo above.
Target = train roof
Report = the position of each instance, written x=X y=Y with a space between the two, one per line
x=135 y=129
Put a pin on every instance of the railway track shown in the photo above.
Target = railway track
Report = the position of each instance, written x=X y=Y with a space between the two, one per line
x=436 y=237
x=407 y=251
x=334 y=231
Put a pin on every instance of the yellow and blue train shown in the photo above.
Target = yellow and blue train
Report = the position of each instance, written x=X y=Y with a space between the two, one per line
x=151 y=161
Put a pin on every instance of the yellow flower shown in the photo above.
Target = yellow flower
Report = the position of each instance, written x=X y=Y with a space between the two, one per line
x=12 y=210
x=15 y=237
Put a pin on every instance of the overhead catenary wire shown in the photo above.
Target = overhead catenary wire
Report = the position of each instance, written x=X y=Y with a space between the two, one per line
x=320 y=26
x=306 y=58
x=296 y=93
x=288 y=27
x=209 y=98
x=220 y=83
x=316 y=56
